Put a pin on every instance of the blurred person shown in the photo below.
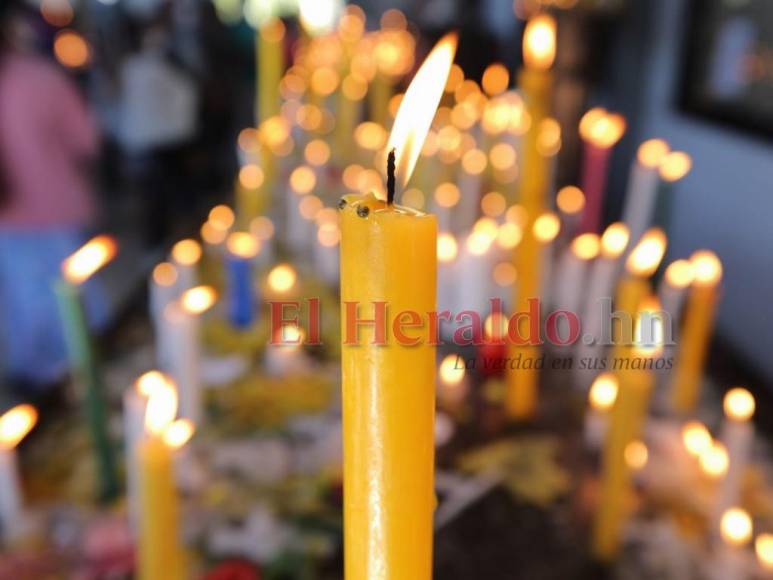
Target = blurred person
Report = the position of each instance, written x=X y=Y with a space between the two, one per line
x=47 y=139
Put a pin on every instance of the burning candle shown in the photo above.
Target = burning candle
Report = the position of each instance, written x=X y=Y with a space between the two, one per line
x=76 y=270
x=281 y=280
x=263 y=228
x=270 y=61
x=696 y=331
x=736 y=530
x=163 y=291
x=601 y=400
x=674 y=167
x=14 y=426
x=570 y=201
x=545 y=229
x=737 y=435
x=185 y=257
x=453 y=384
x=625 y=425
x=182 y=331
x=242 y=249
x=573 y=271
x=642 y=186
x=763 y=547
x=671 y=291
x=160 y=550
x=389 y=253
x=600 y=131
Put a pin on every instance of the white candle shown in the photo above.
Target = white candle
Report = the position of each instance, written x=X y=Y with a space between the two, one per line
x=263 y=228
x=326 y=253
x=185 y=257
x=730 y=562
x=672 y=288
x=162 y=291
x=571 y=277
x=474 y=272
x=601 y=399
x=737 y=435
x=642 y=187
x=570 y=201
x=182 y=329
x=14 y=426
x=545 y=229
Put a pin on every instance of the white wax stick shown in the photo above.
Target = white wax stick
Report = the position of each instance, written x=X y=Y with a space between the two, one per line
x=134 y=405
x=737 y=437
x=182 y=331
x=601 y=283
x=10 y=494
x=595 y=428
x=570 y=281
x=640 y=199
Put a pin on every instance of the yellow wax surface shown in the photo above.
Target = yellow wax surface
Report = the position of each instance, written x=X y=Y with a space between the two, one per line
x=535 y=174
x=692 y=348
x=160 y=547
x=625 y=424
x=270 y=59
x=388 y=394
x=631 y=290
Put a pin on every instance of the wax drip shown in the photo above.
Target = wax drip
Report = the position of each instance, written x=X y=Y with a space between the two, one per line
x=391 y=177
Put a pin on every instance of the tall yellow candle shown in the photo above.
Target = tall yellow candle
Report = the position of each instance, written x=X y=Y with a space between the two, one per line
x=270 y=61
x=160 y=551
x=696 y=332
x=389 y=255
x=626 y=422
x=535 y=80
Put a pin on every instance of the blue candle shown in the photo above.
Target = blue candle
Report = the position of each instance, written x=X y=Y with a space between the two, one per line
x=240 y=291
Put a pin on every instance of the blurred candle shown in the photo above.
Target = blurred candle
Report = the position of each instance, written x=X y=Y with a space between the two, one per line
x=545 y=229
x=625 y=425
x=572 y=272
x=601 y=399
x=186 y=255
x=674 y=167
x=76 y=270
x=763 y=547
x=163 y=291
x=642 y=186
x=570 y=201
x=696 y=331
x=270 y=61
x=182 y=330
x=735 y=529
x=671 y=290
x=242 y=248
x=599 y=131
x=737 y=435
x=14 y=426
x=160 y=551
x=453 y=384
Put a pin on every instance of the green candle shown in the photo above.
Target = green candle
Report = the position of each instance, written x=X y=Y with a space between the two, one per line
x=83 y=359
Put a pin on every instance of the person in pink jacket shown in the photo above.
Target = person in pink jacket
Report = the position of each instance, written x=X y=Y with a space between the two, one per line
x=47 y=140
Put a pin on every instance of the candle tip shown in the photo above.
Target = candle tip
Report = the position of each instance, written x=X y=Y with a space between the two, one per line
x=391 y=177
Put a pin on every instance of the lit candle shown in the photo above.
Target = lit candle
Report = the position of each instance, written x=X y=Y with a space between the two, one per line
x=763 y=547
x=696 y=331
x=281 y=281
x=715 y=461
x=672 y=288
x=601 y=399
x=76 y=270
x=736 y=530
x=642 y=186
x=737 y=435
x=186 y=255
x=535 y=80
x=182 y=330
x=389 y=253
x=570 y=201
x=270 y=61
x=572 y=273
x=642 y=262
x=242 y=249
x=160 y=551
x=163 y=291
x=600 y=131
x=263 y=228
x=135 y=400
x=625 y=425
x=14 y=426
x=286 y=357
x=546 y=229
x=674 y=167
x=453 y=384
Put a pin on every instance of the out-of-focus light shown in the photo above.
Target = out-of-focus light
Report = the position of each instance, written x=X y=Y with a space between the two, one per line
x=186 y=252
x=586 y=246
x=56 y=12
x=614 y=240
x=493 y=204
x=164 y=274
x=282 y=278
x=603 y=392
x=71 y=49
x=222 y=217
x=320 y=16
x=495 y=79
x=447 y=194
x=539 y=42
x=505 y=274
x=546 y=227
x=251 y=176
x=675 y=166
x=739 y=404
x=645 y=257
x=303 y=179
x=706 y=268
x=679 y=274
x=735 y=527
x=262 y=227
x=636 y=455
x=570 y=199
x=198 y=299
x=696 y=438
x=446 y=247
x=763 y=547
x=86 y=260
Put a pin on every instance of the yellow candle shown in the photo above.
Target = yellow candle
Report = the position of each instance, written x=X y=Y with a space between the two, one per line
x=270 y=59
x=696 y=331
x=625 y=426
x=535 y=80
x=160 y=544
x=389 y=254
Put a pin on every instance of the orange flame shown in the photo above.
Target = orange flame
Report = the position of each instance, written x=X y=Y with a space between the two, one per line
x=539 y=42
x=15 y=424
x=79 y=266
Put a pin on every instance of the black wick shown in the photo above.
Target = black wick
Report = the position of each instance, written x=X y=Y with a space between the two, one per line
x=391 y=177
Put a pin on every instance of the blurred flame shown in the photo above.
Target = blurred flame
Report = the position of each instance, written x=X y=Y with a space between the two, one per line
x=418 y=107
x=198 y=299
x=675 y=166
x=739 y=404
x=736 y=527
x=586 y=246
x=614 y=240
x=147 y=383
x=696 y=438
x=649 y=344
x=602 y=128
x=79 y=266
x=243 y=245
x=161 y=408
x=282 y=278
x=679 y=274
x=178 y=433
x=15 y=424
x=706 y=268
x=652 y=152
x=546 y=227
x=539 y=42
x=645 y=257
x=186 y=252
x=165 y=274
x=603 y=392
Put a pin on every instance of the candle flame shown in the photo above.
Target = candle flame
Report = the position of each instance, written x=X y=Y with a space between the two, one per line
x=198 y=299
x=178 y=433
x=447 y=247
x=736 y=527
x=763 y=546
x=679 y=274
x=652 y=152
x=450 y=372
x=586 y=246
x=161 y=408
x=186 y=252
x=614 y=240
x=546 y=227
x=15 y=424
x=675 y=166
x=706 y=268
x=539 y=42
x=149 y=382
x=715 y=460
x=636 y=455
x=243 y=245
x=649 y=331
x=739 y=404
x=602 y=128
x=418 y=107
x=570 y=199
x=282 y=278
x=79 y=266
x=603 y=392
x=696 y=438
x=647 y=254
